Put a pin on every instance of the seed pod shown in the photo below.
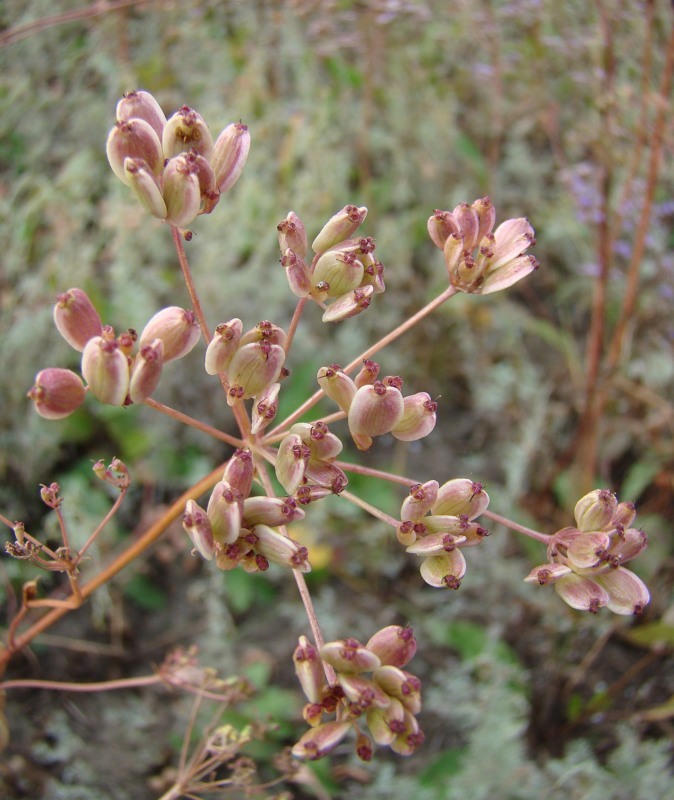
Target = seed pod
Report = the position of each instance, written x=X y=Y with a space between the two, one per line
x=309 y=669
x=461 y=496
x=469 y=224
x=271 y=511
x=349 y=656
x=343 y=272
x=265 y=408
x=225 y=510
x=394 y=645
x=441 y=225
x=297 y=273
x=254 y=368
x=319 y=741
x=349 y=305
x=595 y=511
x=57 y=393
x=291 y=461
x=76 y=318
x=337 y=385
x=181 y=190
x=281 y=549
x=486 y=215
x=239 y=471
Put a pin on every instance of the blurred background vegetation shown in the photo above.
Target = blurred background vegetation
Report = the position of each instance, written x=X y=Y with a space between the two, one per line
x=547 y=107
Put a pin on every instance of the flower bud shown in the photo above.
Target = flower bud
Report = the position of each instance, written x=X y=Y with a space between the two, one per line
x=182 y=193
x=486 y=215
x=375 y=409
x=230 y=154
x=461 y=496
x=436 y=543
x=407 y=741
x=309 y=669
x=292 y=235
x=291 y=462
x=453 y=252
x=349 y=656
x=106 y=370
x=116 y=473
x=319 y=741
x=239 y=471
x=297 y=273
x=225 y=509
x=337 y=385
x=271 y=511
x=197 y=526
x=418 y=418
x=400 y=684
x=343 y=272
x=223 y=346
x=142 y=105
x=264 y=331
x=594 y=511
x=134 y=138
x=420 y=500
x=384 y=723
x=265 y=408
x=309 y=494
x=145 y=187
x=394 y=645
x=441 y=225
x=339 y=227
x=281 y=549
x=57 y=393
x=254 y=368
x=349 y=305
x=76 y=318
x=146 y=371
x=362 y=692
x=368 y=374
x=624 y=515
x=176 y=327
x=444 y=571
x=364 y=747
x=186 y=130
x=467 y=219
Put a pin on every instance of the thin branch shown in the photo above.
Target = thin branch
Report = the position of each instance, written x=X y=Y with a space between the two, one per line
x=515 y=526
x=194 y=423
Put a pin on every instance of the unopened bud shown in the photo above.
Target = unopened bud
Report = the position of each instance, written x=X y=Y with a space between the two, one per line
x=375 y=410
x=368 y=373
x=461 y=496
x=384 y=723
x=253 y=369
x=337 y=385
x=142 y=105
x=297 y=273
x=394 y=645
x=339 y=227
x=239 y=471
x=319 y=741
x=57 y=393
x=309 y=669
x=106 y=370
x=181 y=191
x=281 y=549
x=264 y=331
x=176 y=327
x=440 y=226
x=186 y=130
x=468 y=221
x=76 y=318
x=418 y=418
x=363 y=692
x=223 y=346
x=343 y=272
x=595 y=511
x=292 y=235
x=116 y=473
x=291 y=462
x=225 y=509
x=134 y=138
x=486 y=215
x=145 y=186
x=349 y=656
x=197 y=526
x=401 y=685
x=349 y=305
x=271 y=511
x=146 y=371
x=230 y=154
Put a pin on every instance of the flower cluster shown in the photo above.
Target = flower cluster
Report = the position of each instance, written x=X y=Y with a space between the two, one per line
x=240 y=530
x=174 y=167
x=585 y=562
x=388 y=701
x=374 y=407
x=479 y=261
x=113 y=373
x=437 y=536
x=344 y=274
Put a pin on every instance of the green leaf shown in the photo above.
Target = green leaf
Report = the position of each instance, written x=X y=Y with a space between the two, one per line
x=144 y=593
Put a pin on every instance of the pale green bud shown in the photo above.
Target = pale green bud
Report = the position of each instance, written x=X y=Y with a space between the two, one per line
x=181 y=191
x=254 y=368
x=343 y=272
x=145 y=187
x=106 y=370
x=339 y=227
x=594 y=511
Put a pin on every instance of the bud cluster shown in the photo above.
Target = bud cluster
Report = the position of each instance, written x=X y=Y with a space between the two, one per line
x=113 y=373
x=585 y=562
x=374 y=407
x=174 y=166
x=306 y=457
x=370 y=686
x=479 y=261
x=251 y=363
x=239 y=530
x=344 y=274
x=438 y=536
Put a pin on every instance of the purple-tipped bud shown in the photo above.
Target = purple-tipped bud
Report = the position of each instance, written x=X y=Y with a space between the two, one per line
x=116 y=473
x=134 y=139
x=394 y=645
x=291 y=462
x=468 y=221
x=364 y=747
x=281 y=549
x=182 y=192
x=624 y=515
x=57 y=393
x=349 y=305
x=271 y=511
x=368 y=374
x=309 y=494
x=411 y=737
x=440 y=226
x=197 y=526
x=309 y=670
x=254 y=368
x=264 y=331
x=145 y=187
x=177 y=328
x=146 y=371
x=486 y=215
x=292 y=235
x=142 y=105
x=230 y=154
x=319 y=741
x=186 y=130
x=363 y=693
x=239 y=471
x=225 y=510
x=384 y=723
x=337 y=385
x=297 y=273
x=343 y=272
x=453 y=252
x=349 y=656
x=375 y=410
x=106 y=370
x=444 y=571
x=595 y=511
x=339 y=227
x=265 y=408
x=76 y=318
x=400 y=684
x=420 y=500
x=461 y=496
x=223 y=346
x=418 y=418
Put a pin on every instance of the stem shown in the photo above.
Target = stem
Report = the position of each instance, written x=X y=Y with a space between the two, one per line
x=187 y=275
x=294 y=322
x=111 y=513
x=358 y=469
x=372 y=510
x=515 y=526
x=96 y=686
x=193 y=423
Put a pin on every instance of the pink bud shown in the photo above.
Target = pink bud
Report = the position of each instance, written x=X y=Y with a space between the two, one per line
x=223 y=346
x=393 y=645
x=106 y=370
x=146 y=371
x=134 y=138
x=418 y=418
x=309 y=669
x=225 y=508
x=343 y=272
x=264 y=331
x=349 y=656
x=337 y=385
x=339 y=227
x=466 y=217
x=375 y=409
x=362 y=692
x=145 y=186
x=297 y=273
x=441 y=225
x=461 y=496
x=319 y=741
x=197 y=526
x=186 y=130
x=595 y=511
x=176 y=327
x=181 y=190
x=400 y=684
x=76 y=318
x=253 y=369
x=281 y=549
x=291 y=461
x=230 y=154
x=142 y=105
x=271 y=511
x=368 y=373
x=349 y=305
x=486 y=215
x=292 y=235
x=265 y=408
x=57 y=393
x=239 y=471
